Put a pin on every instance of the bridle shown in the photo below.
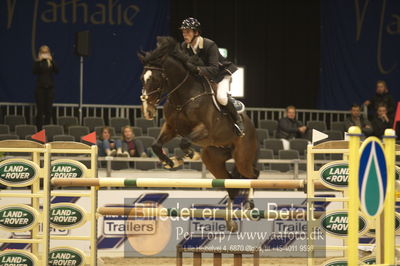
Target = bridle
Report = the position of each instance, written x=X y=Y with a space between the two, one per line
x=160 y=90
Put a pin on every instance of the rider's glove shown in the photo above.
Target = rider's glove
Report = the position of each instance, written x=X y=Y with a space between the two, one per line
x=192 y=68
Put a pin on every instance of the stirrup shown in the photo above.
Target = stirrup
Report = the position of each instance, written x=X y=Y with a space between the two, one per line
x=238 y=130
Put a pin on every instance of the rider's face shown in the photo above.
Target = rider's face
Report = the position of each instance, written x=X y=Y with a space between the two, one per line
x=188 y=35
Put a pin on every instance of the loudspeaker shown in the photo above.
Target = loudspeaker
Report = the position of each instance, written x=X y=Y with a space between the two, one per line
x=82 y=43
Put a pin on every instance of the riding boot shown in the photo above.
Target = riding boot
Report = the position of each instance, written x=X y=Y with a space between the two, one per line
x=237 y=119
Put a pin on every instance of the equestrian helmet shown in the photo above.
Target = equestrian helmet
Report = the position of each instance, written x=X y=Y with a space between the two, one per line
x=190 y=23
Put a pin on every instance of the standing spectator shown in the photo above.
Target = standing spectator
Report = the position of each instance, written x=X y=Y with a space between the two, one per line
x=356 y=119
x=107 y=145
x=289 y=127
x=44 y=68
x=131 y=147
x=382 y=97
x=381 y=122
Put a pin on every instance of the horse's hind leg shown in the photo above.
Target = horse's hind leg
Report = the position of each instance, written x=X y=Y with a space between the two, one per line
x=215 y=158
x=245 y=155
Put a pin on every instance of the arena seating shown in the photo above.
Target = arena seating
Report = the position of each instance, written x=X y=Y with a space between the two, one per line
x=68 y=128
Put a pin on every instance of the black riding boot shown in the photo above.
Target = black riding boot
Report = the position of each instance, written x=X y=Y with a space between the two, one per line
x=237 y=119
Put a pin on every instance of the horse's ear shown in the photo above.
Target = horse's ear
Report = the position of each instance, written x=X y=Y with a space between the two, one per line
x=141 y=56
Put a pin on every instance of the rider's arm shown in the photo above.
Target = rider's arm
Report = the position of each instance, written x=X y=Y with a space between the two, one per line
x=212 y=68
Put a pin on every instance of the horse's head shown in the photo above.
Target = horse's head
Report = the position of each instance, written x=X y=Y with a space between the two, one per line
x=153 y=81
x=154 y=77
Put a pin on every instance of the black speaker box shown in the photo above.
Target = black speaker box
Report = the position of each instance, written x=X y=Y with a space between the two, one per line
x=82 y=43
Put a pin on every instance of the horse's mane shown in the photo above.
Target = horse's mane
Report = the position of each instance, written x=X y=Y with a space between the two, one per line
x=167 y=45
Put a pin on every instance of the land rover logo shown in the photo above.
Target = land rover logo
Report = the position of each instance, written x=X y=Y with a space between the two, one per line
x=17 y=258
x=66 y=216
x=66 y=256
x=17 y=217
x=336 y=262
x=335 y=174
x=67 y=169
x=18 y=172
x=336 y=223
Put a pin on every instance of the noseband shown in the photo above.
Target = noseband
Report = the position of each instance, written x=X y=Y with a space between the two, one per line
x=160 y=90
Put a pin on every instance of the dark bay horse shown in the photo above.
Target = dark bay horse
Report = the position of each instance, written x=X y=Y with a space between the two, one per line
x=189 y=112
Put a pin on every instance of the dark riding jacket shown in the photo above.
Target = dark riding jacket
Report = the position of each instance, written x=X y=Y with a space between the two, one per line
x=215 y=65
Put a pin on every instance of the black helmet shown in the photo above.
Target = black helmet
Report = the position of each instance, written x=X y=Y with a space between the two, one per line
x=190 y=23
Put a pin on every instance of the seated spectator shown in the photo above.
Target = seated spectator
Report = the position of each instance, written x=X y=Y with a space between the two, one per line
x=289 y=127
x=382 y=96
x=131 y=146
x=107 y=145
x=356 y=119
x=381 y=122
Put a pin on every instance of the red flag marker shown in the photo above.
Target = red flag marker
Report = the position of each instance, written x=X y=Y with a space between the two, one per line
x=91 y=137
x=40 y=136
x=397 y=116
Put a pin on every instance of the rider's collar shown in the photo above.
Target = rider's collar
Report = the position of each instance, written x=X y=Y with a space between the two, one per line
x=198 y=45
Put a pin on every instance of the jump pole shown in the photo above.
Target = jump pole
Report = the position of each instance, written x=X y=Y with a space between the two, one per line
x=181 y=183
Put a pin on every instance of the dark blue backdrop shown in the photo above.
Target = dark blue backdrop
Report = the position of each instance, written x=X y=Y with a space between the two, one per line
x=360 y=44
x=119 y=29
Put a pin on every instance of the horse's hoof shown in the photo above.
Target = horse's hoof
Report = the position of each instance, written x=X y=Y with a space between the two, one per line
x=168 y=164
x=232 y=226
x=196 y=156
x=193 y=156
x=173 y=162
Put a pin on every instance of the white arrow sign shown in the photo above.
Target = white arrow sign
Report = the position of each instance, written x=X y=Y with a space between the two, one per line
x=317 y=136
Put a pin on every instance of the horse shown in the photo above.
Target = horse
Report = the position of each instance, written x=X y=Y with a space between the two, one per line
x=189 y=112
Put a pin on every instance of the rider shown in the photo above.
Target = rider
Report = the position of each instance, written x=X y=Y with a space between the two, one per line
x=216 y=67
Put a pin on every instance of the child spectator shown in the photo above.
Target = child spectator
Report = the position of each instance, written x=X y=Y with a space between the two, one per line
x=107 y=145
x=131 y=147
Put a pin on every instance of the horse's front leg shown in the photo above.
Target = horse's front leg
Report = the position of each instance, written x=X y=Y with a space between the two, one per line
x=166 y=134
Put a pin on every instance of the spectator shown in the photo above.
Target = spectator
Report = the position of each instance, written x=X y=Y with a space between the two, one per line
x=381 y=122
x=107 y=145
x=356 y=119
x=131 y=147
x=382 y=96
x=44 y=68
x=289 y=127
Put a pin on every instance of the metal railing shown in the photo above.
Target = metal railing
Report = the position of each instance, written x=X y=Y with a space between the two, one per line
x=134 y=111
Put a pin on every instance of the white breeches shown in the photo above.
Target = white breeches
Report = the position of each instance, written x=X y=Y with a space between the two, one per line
x=223 y=89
